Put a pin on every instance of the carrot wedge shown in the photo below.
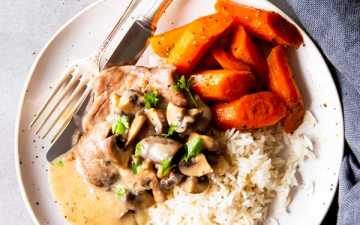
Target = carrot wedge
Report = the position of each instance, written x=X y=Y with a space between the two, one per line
x=197 y=39
x=163 y=43
x=266 y=25
x=257 y=110
x=227 y=61
x=208 y=62
x=243 y=48
x=223 y=85
x=282 y=83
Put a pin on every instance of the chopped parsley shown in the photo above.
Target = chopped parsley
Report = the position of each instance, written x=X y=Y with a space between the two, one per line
x=136 y=166
x=185 y=85
x=171 y=130
x=151 y=100
x=138 y=149
x=120 y=192
x=59 y=163
x=165 y=167
x=193 y=148
x=121 y=125
x=181 y=83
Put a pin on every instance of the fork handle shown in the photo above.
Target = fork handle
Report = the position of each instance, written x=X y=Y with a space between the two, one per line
x=123 y=18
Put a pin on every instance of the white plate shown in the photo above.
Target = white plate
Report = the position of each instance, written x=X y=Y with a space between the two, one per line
x=82 y=35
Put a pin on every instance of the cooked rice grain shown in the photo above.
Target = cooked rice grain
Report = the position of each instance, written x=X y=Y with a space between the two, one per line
x=243 y=195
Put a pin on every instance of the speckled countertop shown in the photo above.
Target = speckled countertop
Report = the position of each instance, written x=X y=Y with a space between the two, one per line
x=25 y=27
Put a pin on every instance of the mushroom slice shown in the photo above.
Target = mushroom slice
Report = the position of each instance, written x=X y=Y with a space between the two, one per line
x=203 y=120
x=158 y=149
x=148 y=180
x=177 y=116
x=209 y=143
x=135 y=127
x=117 y=155
x=195 y=185
x=195 y=112
x=221 y=166
x=197 y=167
x=157 y=119
x=157 y=193
x=141 y=200
x=128 y=219
x=129 y=102
x=147 y=164
x=170 y=181
x=141 y=217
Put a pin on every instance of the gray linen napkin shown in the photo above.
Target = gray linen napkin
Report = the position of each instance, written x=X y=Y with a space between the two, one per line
x=335 y=26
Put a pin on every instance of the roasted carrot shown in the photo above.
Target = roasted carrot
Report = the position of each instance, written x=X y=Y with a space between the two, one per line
x=197 y=38
x=281 y=82
x=243 y=48
x=208 y=62
x=266 y=25
x=227 y=61
x=163 y=43
x=251 y=111
x=223 y=85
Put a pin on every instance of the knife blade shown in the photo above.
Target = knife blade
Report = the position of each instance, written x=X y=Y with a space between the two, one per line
x=125 y=48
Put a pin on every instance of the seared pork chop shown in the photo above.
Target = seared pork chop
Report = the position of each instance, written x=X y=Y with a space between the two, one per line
x=97 y=151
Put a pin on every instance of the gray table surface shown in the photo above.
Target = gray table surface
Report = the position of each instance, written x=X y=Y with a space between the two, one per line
x=25 y=27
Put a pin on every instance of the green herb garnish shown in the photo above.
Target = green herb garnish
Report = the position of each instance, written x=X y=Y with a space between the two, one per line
x=121 y=125
x=171 y=130
x=185 y=85
x=60 y=163
x=136 y=166
x=120 y=192
x=138 y=149
x=165 y=167
x=151 y=100
x=193 y=148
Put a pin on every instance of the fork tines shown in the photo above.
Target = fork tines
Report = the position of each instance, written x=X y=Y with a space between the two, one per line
x=65 y=99
x=71 y=91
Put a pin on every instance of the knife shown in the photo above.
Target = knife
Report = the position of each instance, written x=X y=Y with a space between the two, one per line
x=127 y=44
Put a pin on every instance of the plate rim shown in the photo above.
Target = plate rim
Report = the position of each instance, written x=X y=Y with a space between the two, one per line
x=93 y=5
x=29 y=76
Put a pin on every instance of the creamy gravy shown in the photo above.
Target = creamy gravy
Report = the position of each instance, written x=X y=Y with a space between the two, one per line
x=81 y=202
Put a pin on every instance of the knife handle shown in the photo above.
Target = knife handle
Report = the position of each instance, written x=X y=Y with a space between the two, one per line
x=153 y=14
x=128 y=41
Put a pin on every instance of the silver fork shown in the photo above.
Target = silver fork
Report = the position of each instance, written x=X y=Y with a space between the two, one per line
x=120 y=47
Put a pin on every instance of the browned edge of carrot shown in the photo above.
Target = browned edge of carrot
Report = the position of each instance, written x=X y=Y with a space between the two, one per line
x=243 y=48
x=266 y=25
x=227 y=61
x=223 y=85
x=197 y=39
x=163 y=43
x=282 y=82
x=258 y=110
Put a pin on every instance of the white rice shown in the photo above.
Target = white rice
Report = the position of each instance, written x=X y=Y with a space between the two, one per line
x=243 y=195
